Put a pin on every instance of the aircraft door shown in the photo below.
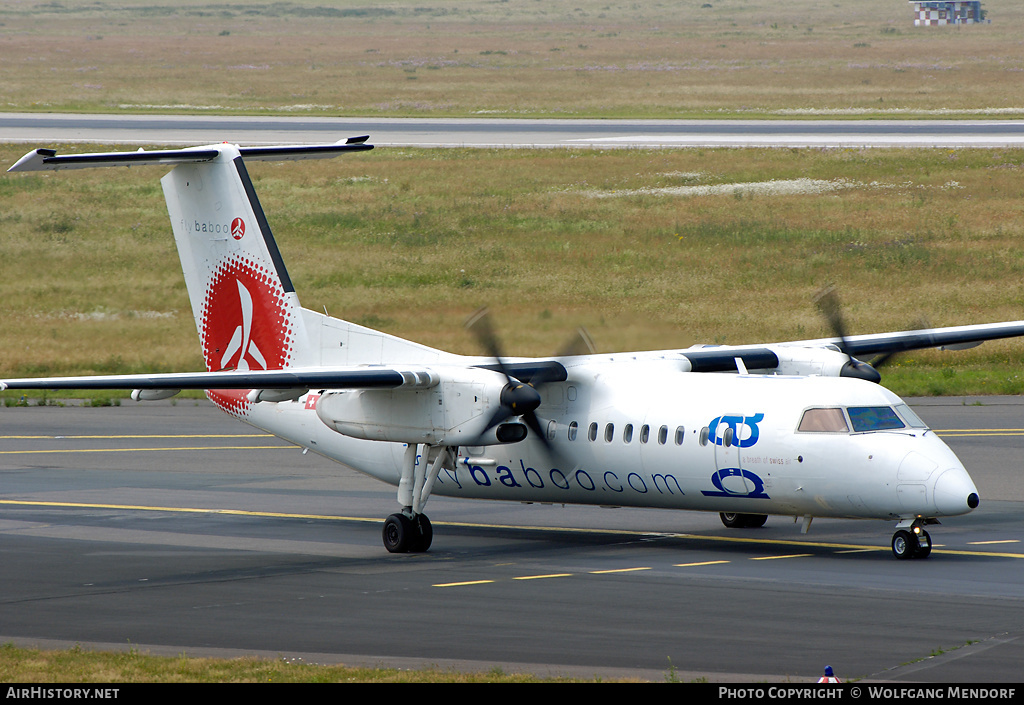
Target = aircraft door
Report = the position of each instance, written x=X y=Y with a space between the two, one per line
x=729 y=434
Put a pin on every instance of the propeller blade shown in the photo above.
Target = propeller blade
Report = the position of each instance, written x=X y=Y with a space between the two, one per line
x=517 y=398
x=533 y=423
x=580 y=344
x=827 y=301
x=921 y=323
x=882 y=359
x=479 y=324
x=500 y=415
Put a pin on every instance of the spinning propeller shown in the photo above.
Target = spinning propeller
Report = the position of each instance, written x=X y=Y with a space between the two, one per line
x=521 y=399
x=827 y=301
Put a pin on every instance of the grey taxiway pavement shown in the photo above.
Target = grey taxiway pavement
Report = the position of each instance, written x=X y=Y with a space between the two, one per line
x=46 y=129
x=173 y=528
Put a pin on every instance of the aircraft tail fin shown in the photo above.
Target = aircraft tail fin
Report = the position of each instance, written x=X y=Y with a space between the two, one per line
x=244 y=304
x=243 y=301
x=245 y=307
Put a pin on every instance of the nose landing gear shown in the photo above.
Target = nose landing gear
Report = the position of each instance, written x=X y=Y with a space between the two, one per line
x=911 y=542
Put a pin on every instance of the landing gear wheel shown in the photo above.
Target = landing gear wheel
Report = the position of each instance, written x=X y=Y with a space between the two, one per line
x=398 y=533
x=423 y=532
x=743 y=521
x=904 y=545
x=404 y=535
x=924 y=545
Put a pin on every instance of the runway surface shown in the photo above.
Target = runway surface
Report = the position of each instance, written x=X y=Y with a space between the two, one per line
x=48 y=129
x=175 y=529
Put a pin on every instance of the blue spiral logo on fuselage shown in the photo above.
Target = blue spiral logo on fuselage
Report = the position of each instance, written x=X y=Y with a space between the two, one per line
x=736 y=482
x=750 y=486
x=734 y=422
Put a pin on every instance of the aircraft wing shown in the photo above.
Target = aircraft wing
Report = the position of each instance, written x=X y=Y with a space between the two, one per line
x=954 y=338
x=353 y=378
x=363 y=377
x=383 y=377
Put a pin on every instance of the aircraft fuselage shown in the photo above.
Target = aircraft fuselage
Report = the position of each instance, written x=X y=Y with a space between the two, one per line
x=722 y=443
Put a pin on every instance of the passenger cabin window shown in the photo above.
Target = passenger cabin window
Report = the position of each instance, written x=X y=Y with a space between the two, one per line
x=573 y=428
x=627 y=433
x=823 y=421
x=680 y=435
x=727 y=437
x=645 y=433
x=609 y=432
x=874 y=418
x=663 y=435
x=592 y=433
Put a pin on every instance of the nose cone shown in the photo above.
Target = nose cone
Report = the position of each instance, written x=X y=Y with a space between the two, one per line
x=955 y=492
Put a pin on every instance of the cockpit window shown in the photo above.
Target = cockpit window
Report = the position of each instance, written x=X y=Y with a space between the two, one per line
x=912 y=419
x=874 y=418
x=823 y=421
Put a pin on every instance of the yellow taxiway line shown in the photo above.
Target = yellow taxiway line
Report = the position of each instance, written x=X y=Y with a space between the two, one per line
x=548 y=529
x=142 y=450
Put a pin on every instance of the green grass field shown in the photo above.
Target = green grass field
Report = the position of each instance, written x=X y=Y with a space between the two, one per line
x=78 y=665
x=524 y=58
x=646 y=249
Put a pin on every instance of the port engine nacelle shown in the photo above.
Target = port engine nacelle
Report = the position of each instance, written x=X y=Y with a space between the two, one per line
x=457 y=408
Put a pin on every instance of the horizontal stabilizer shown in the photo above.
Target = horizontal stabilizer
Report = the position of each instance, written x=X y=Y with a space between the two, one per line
x=312 y=151
x=49 y=160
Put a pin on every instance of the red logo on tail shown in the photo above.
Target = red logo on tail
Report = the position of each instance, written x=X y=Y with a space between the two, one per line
x=237 y=228
x=241 y=343
x=245 y=325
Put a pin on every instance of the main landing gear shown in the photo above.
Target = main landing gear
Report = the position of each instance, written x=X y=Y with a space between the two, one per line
x=743 y=521
x=911 y=541
x=403 y=534
x=409 y=531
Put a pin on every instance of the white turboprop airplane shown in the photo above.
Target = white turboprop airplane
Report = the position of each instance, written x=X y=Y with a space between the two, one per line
x=800 y=429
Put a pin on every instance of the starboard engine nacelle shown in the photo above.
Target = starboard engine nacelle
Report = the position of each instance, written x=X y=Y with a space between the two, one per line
x=822 y=362
x=456 y=406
